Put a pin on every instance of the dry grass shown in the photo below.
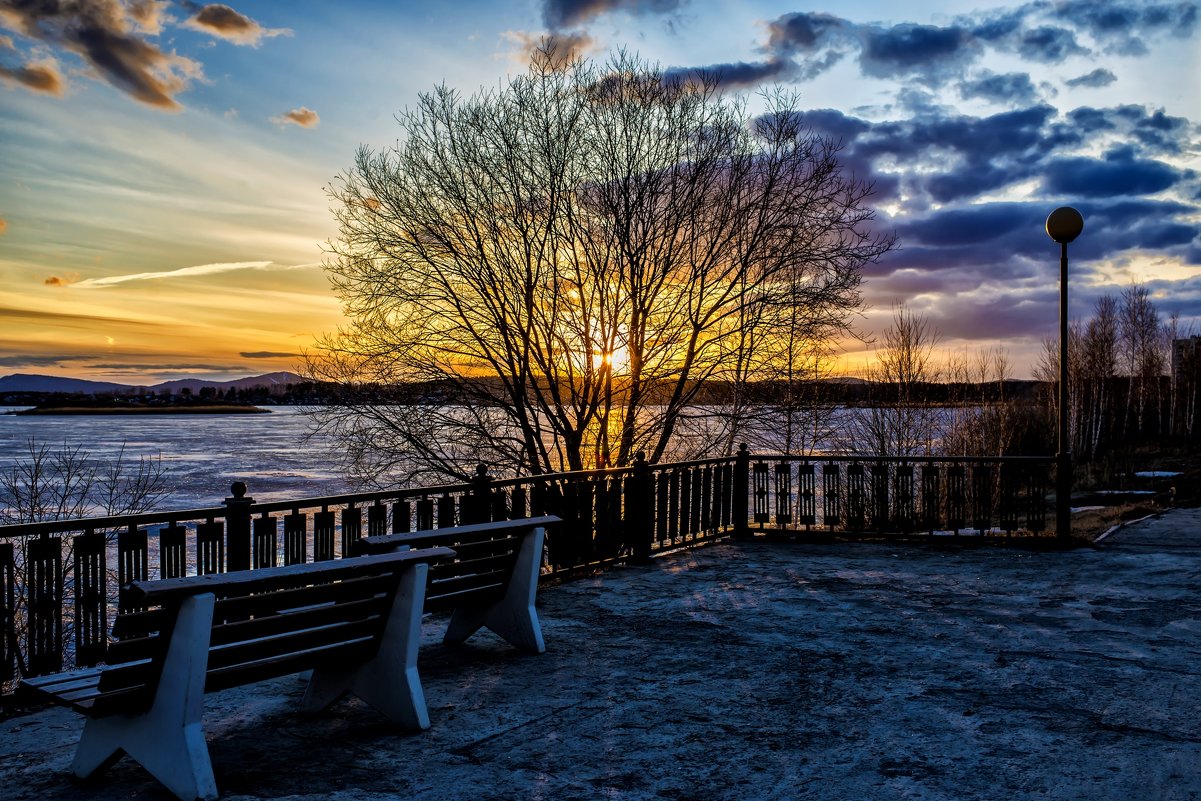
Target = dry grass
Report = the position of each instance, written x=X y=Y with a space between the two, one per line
x=1092 y=523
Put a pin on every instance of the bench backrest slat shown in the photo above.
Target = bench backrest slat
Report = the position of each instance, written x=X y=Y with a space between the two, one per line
x=247 y=653
x=486 y=554
x=242 y=582
x=242 y=609
x=341 y=654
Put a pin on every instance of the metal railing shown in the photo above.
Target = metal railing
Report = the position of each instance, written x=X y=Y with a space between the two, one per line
x=60 y=581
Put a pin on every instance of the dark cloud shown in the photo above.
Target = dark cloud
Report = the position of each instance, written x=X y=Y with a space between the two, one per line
x=59 y=280
x=934 y=55
x=1123 y=27
x=1018 y=31
x=41 y=77
x=803 y=32
x=735 y=75
x=1119 y=173
x=1097 y=78
x=559 y=14
x=1047 y=44
x=833 y=123
x=221 y=20
x=266 y=354
x=928 y=53
x=1013 y=88
x=969 y=155
x=31 y=360
x=109 y=40
x=975 y=224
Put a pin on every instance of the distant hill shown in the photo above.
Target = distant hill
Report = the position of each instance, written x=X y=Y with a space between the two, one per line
x=281 y=379
x=25 y=382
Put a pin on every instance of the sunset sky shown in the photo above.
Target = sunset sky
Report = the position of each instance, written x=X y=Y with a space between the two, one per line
x=163 y=164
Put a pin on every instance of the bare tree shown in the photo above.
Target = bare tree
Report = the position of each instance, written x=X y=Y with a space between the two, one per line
x=67 y=482
x=566 y=270
x=899 y=420
x=980 y=422
x=46 y=483
x=1140 y=333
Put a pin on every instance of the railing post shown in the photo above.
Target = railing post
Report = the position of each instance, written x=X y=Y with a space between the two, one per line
x=481 y=497
x=237 y=528
x=640 y=509
x=741 y=491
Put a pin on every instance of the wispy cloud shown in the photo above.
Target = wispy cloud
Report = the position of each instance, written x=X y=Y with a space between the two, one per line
x=149 y=16
x=304 y=117
x=217 y=19
x=565 y=13
x=50 y=360
x=562 y=47
x=1096 y=78
x=188 y=272
x=67 y=319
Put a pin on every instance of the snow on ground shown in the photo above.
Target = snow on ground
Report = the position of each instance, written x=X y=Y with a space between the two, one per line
x=759 y=671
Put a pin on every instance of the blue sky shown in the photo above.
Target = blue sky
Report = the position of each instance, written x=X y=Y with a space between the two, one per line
x=163 y=164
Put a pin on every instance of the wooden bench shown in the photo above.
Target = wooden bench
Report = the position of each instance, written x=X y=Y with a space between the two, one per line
x=356 y=622
x=492 y=581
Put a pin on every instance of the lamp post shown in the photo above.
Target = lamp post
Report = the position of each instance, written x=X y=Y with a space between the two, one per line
x=1063 y=225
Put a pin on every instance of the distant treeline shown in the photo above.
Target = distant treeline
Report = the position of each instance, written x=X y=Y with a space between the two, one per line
x=838 y=392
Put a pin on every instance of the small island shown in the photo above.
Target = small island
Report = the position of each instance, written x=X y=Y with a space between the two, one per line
x=77 y=406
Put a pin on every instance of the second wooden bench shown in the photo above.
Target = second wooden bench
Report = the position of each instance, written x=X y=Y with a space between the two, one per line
x=491 y=583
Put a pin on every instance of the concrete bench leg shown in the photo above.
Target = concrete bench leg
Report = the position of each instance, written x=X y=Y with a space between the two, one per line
x=167 y=740
x=390 y=682
x=513 y=617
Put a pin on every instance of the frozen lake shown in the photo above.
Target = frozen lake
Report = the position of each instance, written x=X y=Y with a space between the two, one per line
x=202 y=454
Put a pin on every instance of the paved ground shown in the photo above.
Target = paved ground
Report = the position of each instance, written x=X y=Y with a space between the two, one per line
x=762 y=671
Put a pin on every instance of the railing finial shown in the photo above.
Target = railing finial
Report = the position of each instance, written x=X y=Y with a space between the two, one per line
x=238 y=489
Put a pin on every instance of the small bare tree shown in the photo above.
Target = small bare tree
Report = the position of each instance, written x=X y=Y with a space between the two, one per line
x=898 y=419
x=64 y=483
x=1140 y=337
x=980 y=422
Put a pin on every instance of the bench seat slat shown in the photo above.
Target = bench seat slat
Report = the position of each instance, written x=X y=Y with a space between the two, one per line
x=54 y=682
